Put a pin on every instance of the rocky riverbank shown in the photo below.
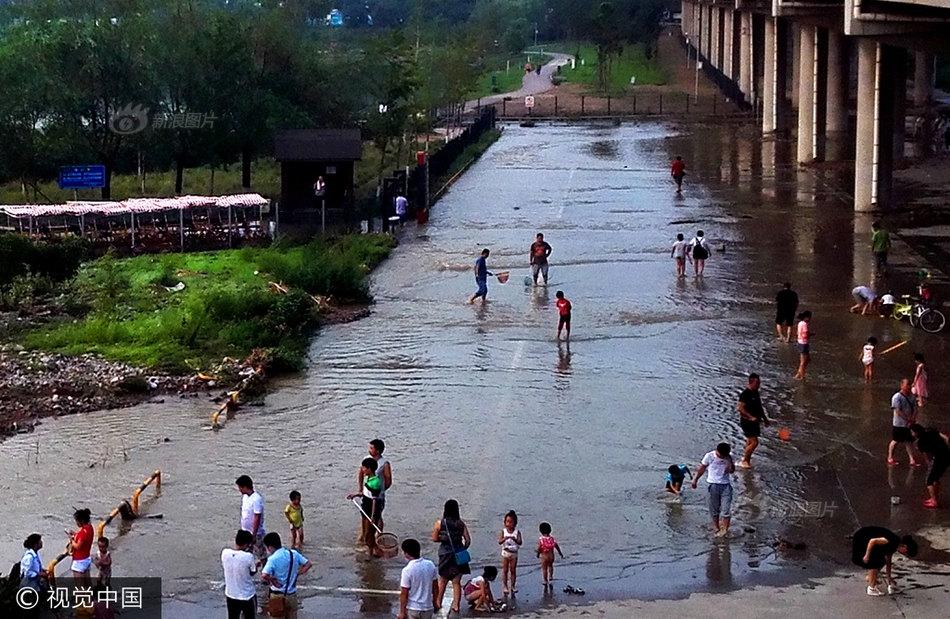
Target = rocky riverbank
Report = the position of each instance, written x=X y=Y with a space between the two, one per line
x=35 y=385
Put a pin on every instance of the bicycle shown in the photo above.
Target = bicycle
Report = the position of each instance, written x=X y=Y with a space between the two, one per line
x=919 y=314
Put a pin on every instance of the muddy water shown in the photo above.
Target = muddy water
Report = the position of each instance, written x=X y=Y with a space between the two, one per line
x=483 y=405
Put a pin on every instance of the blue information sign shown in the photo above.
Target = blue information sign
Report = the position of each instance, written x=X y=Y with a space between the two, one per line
x=82 y=177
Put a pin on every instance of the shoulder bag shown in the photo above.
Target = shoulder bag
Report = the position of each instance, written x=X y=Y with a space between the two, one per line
x=462 y=557
x=275 y=604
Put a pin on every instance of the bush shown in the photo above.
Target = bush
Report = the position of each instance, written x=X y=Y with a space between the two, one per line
x=57 y=259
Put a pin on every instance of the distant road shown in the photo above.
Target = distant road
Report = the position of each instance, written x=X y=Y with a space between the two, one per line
x=531 y=84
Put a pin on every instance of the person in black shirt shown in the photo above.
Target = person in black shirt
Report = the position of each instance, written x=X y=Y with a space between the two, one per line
x=872 y=549
x=751 y=418
x=933 y=444
x=786 y=302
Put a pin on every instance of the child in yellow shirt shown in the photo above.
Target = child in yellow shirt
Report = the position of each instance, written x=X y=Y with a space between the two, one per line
x=294 y=514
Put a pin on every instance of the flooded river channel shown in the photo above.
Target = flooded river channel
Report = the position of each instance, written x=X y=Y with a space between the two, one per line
x=480 y=403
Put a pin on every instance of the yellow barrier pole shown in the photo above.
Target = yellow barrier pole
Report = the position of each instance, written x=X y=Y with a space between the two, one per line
x=135 y=496
x=156 y=476
x=232 y=399
x=51 y=568
x=101 y=527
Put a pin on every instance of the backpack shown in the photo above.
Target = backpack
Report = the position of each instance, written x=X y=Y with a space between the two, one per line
x=14 y=575
x=699 y=250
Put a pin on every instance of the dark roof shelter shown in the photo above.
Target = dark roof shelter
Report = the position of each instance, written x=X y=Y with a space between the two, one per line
x=307 y=155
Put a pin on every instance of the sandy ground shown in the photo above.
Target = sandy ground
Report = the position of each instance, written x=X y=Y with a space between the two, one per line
x=841 y=596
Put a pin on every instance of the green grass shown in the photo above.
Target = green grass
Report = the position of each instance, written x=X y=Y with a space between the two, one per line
x=507 y=80
x=225 y=309
x=265 y=180
x=631 y=63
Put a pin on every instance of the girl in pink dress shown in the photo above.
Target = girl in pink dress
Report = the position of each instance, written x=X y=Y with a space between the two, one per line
x=919 y=387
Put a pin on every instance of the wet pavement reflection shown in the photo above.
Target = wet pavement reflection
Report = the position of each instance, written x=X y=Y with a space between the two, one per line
x=480 y=403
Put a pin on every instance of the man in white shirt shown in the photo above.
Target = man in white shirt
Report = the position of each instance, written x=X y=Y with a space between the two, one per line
x=720 y=465
x=239 y=569
x=401 y=205
x=252 y=513
x=419 y=585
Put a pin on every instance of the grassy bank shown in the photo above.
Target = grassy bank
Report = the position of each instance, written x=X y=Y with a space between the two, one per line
x=631 y=63
x=181 y=312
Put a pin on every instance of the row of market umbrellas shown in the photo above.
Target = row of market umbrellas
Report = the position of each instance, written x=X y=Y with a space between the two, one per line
x=132 y=205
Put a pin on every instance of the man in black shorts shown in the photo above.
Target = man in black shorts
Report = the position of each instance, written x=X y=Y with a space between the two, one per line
x=786 y=302
x=933 y=444
x=872 y=549
x=751 y=418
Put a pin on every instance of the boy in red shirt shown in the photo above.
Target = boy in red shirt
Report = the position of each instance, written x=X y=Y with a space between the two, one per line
x=678 y=171
x=564 y=315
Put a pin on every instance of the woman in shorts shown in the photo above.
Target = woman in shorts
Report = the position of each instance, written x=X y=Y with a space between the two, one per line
x=80 y=547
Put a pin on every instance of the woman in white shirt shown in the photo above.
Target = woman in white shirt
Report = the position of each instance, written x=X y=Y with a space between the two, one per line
x=32 y=573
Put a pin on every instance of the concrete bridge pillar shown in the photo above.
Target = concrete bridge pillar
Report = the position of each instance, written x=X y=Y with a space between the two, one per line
x=716 y=35
x=837 y=99
x=729 y=43
x=774 y=102
x=879 y=68
x=707 y=32
x=745 y=55
x=807 y=91
x=923 y=79
x=795 y=33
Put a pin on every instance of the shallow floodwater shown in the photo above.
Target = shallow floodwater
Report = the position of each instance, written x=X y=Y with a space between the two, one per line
x=480 y=403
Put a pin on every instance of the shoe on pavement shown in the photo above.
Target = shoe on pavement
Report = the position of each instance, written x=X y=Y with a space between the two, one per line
x=892 y=462
x=930 y=503
x=875 y=592
x=892 y=589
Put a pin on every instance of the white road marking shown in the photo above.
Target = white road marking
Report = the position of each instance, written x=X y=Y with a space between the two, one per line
x=570 y=187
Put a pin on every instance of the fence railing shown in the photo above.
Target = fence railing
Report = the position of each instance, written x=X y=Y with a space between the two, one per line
x=640 y=104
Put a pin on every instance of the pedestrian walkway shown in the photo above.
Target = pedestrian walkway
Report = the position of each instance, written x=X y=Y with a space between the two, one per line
x=531 y=84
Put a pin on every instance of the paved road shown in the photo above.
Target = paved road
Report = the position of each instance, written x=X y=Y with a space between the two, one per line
x=531 y=84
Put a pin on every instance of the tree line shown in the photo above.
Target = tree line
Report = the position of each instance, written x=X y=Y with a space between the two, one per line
x=140 y=85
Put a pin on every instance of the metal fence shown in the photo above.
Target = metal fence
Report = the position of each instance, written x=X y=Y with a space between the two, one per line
x=640 y=104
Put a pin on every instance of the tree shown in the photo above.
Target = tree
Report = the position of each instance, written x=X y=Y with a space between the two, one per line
x=607 y=35
x=395 y=79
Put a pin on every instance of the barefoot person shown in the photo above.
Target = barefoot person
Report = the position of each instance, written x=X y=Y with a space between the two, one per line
x=864 y=299
x=720 y=466
x=481 y=277
x=700 y=252
x=385 y=473
x=678 y=171
x=872 y=549
x=680 y=253
x=538 y=258
x=904 y=405
x=452 y=533
x=252 y=513
x=804 y=343
x=786 y=304
x=564 y=315
x=933 y=444
x=880 y=245
x=751 y=418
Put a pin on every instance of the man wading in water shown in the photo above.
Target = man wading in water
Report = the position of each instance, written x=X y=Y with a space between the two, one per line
x=481 y=277
x=538 y=256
